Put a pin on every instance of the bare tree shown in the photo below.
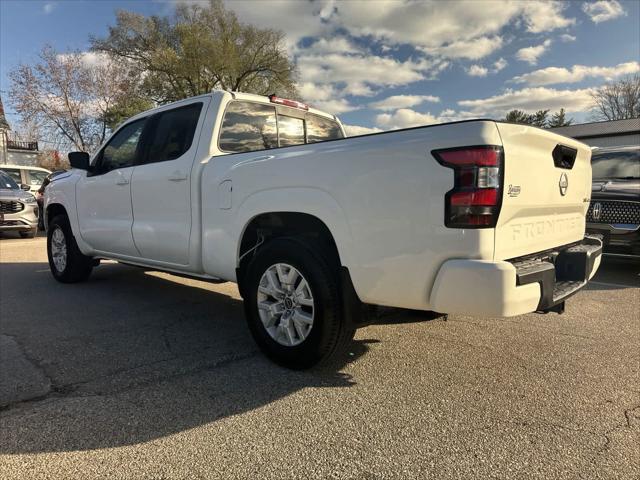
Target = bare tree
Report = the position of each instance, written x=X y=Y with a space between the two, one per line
x=67 y=97
x=617 y=100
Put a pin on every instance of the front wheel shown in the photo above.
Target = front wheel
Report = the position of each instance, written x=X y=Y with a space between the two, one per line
x=66 y=261
x=293 y=305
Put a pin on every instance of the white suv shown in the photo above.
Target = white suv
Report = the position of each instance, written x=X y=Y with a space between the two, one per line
x=23 y=175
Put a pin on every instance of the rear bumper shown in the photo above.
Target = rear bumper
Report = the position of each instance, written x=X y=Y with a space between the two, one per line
x=507 y=288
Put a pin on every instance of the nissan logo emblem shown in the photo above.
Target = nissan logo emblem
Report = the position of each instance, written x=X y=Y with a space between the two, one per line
x=597 y=209
x=564 y=184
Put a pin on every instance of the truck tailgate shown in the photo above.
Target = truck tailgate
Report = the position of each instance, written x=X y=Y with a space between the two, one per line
x=545 y=199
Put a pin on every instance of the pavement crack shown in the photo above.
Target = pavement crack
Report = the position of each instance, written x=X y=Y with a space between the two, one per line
x=70 y=390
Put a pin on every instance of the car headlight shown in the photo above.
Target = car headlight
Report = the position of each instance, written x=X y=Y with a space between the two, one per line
x=29 y=199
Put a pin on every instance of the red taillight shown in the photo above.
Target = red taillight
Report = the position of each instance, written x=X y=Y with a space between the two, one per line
x=482 y=197
x=474 y=201
x=288 y=103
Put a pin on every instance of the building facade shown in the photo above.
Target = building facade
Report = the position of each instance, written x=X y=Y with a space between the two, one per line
x=613 y=133
x=14 y=151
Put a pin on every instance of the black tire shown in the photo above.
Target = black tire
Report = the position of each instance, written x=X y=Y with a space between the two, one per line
x=29 y=234
x=331 y=332
x=78 y=266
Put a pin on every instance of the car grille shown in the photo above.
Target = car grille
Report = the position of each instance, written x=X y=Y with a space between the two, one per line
x=10 y=206
x=614 y=211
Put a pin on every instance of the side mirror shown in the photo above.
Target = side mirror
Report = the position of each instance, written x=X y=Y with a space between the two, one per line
x=79 y=160
x=25 y=187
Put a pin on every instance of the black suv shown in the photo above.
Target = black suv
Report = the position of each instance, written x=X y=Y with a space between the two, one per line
x=614 y=212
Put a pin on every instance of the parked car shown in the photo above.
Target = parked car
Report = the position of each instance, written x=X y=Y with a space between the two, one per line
x=614 y=212
x=18 y=208
x=23 y=175
x=475 y=217
x=40 y=196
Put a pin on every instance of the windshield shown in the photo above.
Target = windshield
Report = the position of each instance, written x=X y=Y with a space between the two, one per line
x=622 y=164
x=7 y=182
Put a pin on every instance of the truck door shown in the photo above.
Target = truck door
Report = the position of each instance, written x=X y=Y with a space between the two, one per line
x=103 y=197
x=161 y=187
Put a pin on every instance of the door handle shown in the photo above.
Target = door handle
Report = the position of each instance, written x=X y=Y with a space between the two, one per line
x=122 y=181
x=177 y=176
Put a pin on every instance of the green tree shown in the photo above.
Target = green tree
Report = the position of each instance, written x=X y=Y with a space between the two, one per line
x=198 y=49
x=539 y=119
x=518 y=116
x=559 y=119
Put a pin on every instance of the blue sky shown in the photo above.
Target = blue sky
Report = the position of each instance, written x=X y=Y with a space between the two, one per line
x=388 y=64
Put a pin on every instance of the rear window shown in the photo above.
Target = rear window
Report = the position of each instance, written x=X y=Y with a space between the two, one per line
x=611 y=165
x=290 y=131
x=248 y=126
x=320 y=129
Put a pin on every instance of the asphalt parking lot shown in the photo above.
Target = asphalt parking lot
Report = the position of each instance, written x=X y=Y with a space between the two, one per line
x=138 y=374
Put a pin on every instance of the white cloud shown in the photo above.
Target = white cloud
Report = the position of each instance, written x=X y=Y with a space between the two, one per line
x=530 y=100
x=499 y=64
x=404 y=118
x=48 y=7
x=577 y=73
x=335 y=105
x=477 y=71
x=531 y=54
x=428 y=24
x=354 y=130
x=565 y=37
x=89 y=59
x=402 y=101
x=325 y=97
x=471 y=49
x=358 y=70
x=331 y=45
x=603 y=10
x=543 y=16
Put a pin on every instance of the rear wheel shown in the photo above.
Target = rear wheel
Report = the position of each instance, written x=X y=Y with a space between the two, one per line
x=66 y=261
x=293 y=305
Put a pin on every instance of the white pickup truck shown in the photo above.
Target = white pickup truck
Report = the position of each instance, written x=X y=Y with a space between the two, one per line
x=476 y=217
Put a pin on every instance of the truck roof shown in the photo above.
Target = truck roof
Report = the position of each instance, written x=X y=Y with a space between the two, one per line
x=235 y=95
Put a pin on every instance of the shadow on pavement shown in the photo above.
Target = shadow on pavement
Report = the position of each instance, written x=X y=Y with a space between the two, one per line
x=133 y=356
x=616 y=273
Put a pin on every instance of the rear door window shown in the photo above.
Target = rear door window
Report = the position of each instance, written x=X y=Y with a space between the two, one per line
x=248 y=127
x=290 y=131
x=320 y=129
x=173 y=133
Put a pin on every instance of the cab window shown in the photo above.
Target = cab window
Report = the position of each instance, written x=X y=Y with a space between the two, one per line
x=247 y=127
x=290 y=131
x=173 y=133
x=320 y=129
x=123 y=148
